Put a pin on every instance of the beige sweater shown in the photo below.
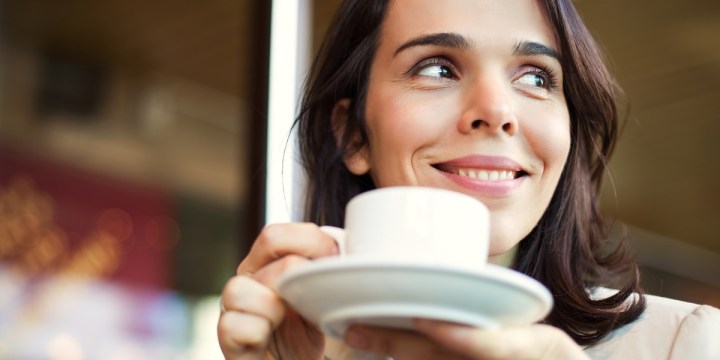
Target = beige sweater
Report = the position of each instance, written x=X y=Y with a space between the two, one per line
x=668 y=329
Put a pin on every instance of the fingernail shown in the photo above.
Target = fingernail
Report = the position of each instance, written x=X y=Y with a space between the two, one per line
x=357 y=339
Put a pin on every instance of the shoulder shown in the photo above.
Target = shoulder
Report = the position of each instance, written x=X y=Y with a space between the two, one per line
x=661 y=310
x=667 y=329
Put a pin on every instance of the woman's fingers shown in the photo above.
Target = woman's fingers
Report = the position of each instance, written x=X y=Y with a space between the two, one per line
x=270 y=274
x=251 y=313
x=397 y=344
x=527 y=342
x=442 y=340
x=256 y=295
x=243 y=336
x=245 y=294
x=253 y=310
x=279 y=240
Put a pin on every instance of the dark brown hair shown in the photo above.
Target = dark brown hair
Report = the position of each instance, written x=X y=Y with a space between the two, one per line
x=567 y=250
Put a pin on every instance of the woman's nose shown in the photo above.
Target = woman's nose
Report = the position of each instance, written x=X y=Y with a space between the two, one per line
x=489 y=109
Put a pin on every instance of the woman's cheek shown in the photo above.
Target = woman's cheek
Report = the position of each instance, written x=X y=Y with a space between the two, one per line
x=548 y=133
x=411 y=117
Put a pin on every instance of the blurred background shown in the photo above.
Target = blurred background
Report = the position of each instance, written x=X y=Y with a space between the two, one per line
x=132 y=162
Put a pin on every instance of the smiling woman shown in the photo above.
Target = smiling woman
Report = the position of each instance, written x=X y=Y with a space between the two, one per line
x=508 y=102
x=486 y=114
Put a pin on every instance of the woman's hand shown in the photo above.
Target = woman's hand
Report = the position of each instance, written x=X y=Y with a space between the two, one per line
x=442 y=340
x=254 y=319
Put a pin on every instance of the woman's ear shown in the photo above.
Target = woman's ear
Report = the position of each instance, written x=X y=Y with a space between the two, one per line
x=356 y=154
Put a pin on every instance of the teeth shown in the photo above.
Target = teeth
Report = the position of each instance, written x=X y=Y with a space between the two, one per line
x=491 y=175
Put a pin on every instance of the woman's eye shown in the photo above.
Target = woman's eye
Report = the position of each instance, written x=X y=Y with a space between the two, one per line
x=533 y=79
x=436 y=67
x=436 y=71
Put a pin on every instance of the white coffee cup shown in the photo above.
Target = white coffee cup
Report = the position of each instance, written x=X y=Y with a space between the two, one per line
x=416 y=225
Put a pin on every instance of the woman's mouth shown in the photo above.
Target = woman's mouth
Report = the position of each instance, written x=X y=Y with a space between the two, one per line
x=485 y=176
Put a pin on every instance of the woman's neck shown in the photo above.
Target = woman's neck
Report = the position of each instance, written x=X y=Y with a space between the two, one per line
x=505 y=259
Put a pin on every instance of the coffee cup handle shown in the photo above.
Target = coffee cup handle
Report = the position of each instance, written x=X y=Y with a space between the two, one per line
x=337 y=234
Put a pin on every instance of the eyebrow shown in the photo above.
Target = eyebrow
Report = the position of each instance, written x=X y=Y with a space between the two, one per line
x=449 y=40
x=457 y=41
x=530 y=48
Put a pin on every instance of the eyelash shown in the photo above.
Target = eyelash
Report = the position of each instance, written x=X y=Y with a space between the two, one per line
x=433 y=61
x=548 y=74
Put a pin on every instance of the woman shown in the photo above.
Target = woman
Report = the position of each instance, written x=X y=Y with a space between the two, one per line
x=507 y=101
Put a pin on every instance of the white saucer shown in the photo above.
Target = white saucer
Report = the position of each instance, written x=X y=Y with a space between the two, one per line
x=337 y=292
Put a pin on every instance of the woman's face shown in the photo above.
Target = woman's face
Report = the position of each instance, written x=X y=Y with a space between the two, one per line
x=467 y=95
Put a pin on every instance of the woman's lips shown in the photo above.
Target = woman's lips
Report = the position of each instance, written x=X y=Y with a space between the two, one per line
x=485 y=175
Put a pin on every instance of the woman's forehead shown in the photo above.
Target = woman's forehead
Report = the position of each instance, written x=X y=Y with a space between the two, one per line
x=479 y=21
